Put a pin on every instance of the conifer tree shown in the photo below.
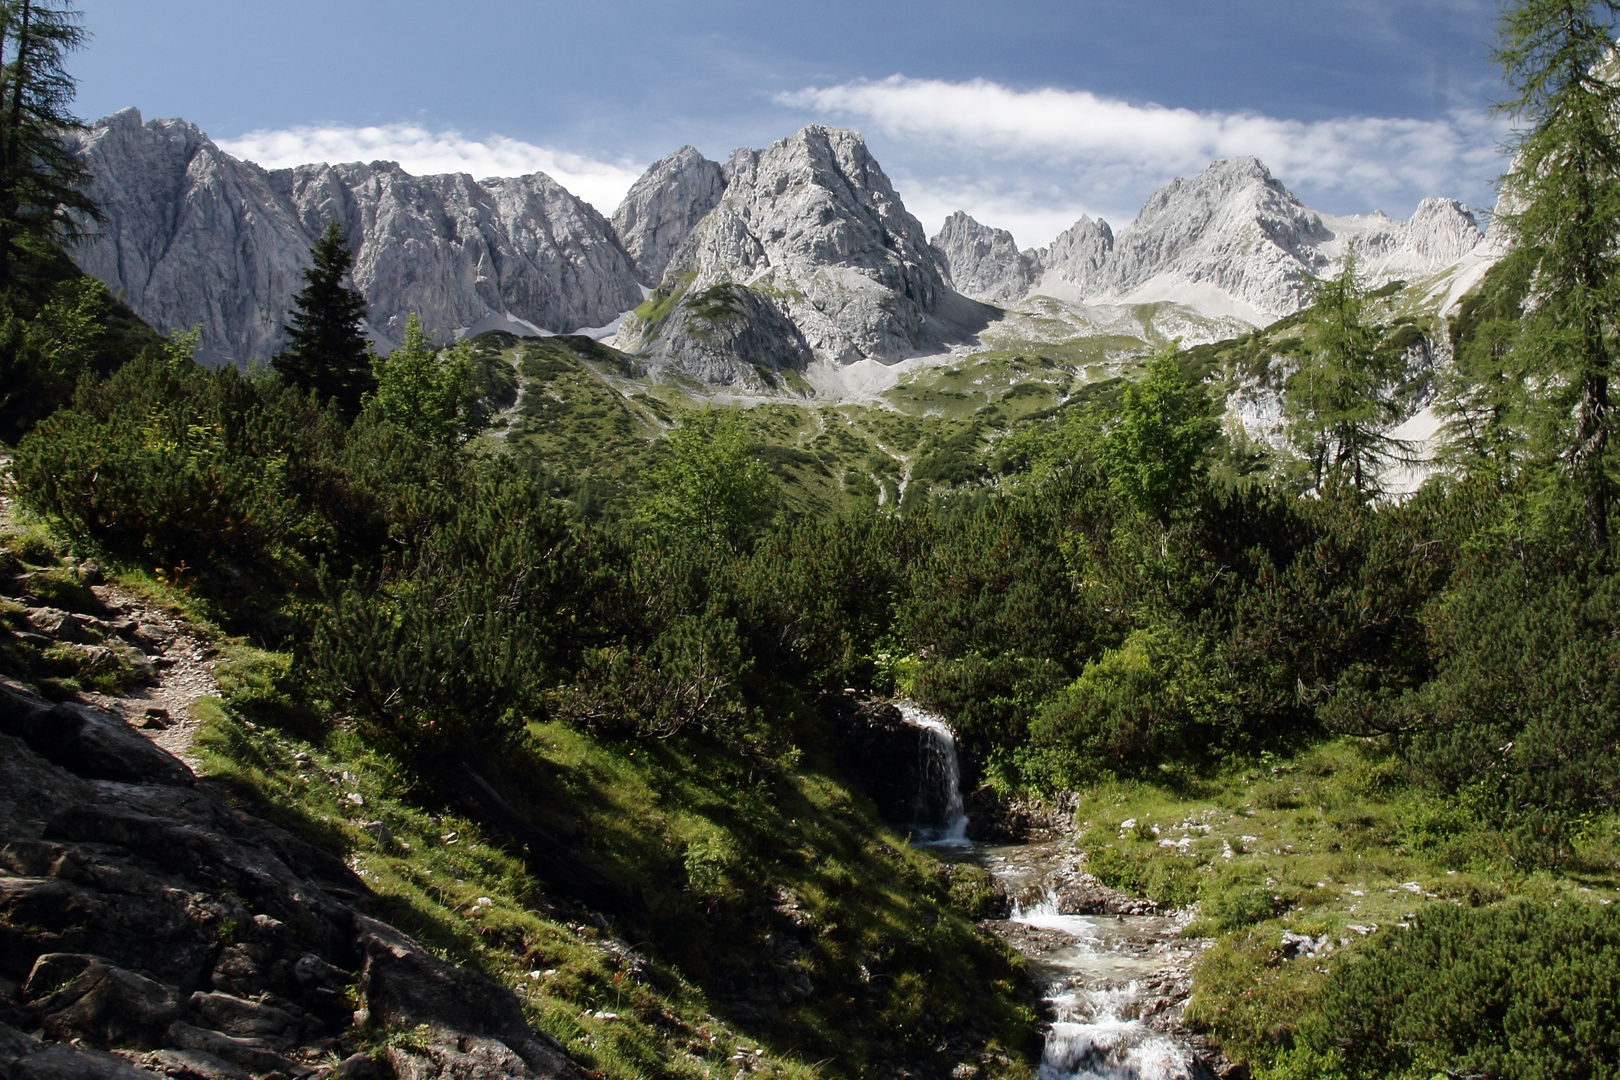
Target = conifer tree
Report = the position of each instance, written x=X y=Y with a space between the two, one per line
x=1337 y=405
x=327 y=352
x=1560 y=205
x=43 y=204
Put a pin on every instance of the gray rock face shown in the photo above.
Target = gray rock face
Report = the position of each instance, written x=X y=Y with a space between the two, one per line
x=982 y=262
x=142 y=914
x=195 y=236
x=725 y=335
x=454 y=250
x=1078 y=255
x=1230 y=241
x=664 y=206
x=192 y=235
x=813 y=225
x=1232 y=228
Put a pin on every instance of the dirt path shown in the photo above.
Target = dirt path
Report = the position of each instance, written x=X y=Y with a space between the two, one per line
x=181 y=663
x=183 y=671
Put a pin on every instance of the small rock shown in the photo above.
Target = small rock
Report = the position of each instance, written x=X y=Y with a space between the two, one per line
x=382 y=832
x=196 y=1065
x=62 y=1062
x=156 y=720
x=357 y=1067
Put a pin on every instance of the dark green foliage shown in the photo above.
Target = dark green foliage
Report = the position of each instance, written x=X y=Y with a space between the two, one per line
x=204 y=476
x=450 y=647
x=327 y=353
x=71 y=329
x=1338 y=400
x=711 y=488
x=1561 y=211
x=43 y=206
x=1157 y=445
x=1524 y=709
x=1524 y=990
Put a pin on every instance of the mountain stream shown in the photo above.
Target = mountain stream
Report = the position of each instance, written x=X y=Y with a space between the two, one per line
x=1113 y=984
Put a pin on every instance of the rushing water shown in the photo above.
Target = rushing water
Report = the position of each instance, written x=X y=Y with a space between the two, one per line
x=1101 y=975
x=940 y=815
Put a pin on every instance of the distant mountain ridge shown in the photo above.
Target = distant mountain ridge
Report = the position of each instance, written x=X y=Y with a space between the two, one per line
x=781 y=258
x=1230 y=241
x=194 y=236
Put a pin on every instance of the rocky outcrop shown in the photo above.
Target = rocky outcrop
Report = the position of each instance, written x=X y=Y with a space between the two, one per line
x=1076 y=258
x=723 y=335
x=191 y=235
x=455 y=250
x=149 y=927
x=194 y=236
x=982 y=262
x=1230 y=241
x=814 y=227
x=664 y=206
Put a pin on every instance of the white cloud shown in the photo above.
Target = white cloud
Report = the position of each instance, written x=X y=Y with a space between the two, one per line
x=425 y=153
x=1109 y=153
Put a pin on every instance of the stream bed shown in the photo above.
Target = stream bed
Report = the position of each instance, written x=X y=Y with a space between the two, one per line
x=1114 y=985
x=1114 y=973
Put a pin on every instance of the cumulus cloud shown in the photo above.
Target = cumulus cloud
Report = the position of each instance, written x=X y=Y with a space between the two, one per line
x=424 y=152
x=1113 y=152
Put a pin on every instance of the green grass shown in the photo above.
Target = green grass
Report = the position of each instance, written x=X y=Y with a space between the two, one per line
x=1331 y=842
x=784 y=917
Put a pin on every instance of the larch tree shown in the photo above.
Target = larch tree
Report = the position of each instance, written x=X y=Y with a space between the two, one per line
x=327 y=351
x=1337 y=404
x=1560 y=207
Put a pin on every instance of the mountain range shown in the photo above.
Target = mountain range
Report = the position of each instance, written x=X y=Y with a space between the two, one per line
x=797 y=255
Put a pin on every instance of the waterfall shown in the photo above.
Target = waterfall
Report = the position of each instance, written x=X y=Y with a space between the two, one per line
x=939 y=809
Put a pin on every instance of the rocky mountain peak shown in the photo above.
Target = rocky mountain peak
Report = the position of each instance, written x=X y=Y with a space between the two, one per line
x=1230 y=241
x=982 y=262
x=195 y=236
x=811 y=227
x=664 y=206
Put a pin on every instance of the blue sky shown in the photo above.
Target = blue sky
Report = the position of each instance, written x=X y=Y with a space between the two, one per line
x=1024 y=112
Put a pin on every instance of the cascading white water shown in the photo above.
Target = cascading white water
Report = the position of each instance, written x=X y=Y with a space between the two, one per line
x=941 y=772
x=1097 y=1033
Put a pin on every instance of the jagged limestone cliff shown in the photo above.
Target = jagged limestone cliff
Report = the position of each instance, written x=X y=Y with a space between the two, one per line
x=1231 y=241
x=195 y=236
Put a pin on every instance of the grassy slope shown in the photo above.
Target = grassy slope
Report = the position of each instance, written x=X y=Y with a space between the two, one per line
x=791 y=934
x=592 y=418
x=778 y=902
x=1332 y=843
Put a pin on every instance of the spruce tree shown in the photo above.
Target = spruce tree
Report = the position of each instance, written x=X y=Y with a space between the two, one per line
x=43 y=204
x=326 y=351
x=1560 y=205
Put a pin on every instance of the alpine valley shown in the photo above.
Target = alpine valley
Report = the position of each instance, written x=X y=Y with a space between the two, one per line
x=451 y=632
